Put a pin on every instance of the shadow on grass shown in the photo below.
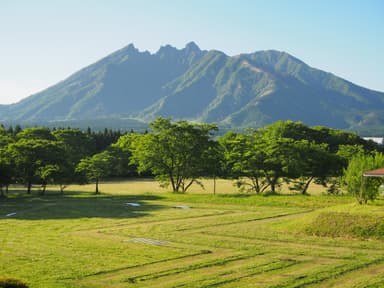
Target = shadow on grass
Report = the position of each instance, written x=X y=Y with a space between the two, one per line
x=76 y=205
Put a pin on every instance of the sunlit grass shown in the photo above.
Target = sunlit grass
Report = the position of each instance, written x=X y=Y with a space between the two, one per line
x=226 y=240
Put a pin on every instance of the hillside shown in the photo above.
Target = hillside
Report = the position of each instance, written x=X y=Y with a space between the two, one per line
x=247 y=90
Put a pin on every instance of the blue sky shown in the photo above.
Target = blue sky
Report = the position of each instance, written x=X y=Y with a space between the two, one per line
x=44 y=41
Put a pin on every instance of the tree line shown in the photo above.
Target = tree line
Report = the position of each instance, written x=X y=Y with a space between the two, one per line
x=180 y=153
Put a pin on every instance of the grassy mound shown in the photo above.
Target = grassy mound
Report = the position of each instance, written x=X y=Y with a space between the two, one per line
x=342 y=224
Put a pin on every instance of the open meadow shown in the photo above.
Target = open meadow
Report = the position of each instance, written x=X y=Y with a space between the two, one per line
x=136 y=234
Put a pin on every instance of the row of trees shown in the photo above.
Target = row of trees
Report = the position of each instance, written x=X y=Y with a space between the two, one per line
x=180 y=153
x=38 y=155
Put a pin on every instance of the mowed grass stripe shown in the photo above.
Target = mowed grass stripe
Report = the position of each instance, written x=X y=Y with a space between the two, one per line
x=303 y=280
x=252 y=217
x=233 y=275
x=270 y=277
x=193 y=223
x=315 y=249
x=120 y=275
x=369 y=276
x=191 y=268
x=206 y=276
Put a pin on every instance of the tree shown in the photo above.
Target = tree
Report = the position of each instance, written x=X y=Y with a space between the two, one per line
x=6 y=171
x=5 y=138
x=121 y=151
x=346 y=152
x=261 y=156
x=48 y=174
x=314 y=162
x=173 y=152
x=6 y=167
x=214 y=162
x=335 y=138
x=96 y=167
x=244 y=159
x=76 y=145
x=30 y=155
x=363 y=188
x=279 y=160
x=35 y=133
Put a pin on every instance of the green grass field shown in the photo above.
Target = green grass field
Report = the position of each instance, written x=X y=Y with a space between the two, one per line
x=223 y=240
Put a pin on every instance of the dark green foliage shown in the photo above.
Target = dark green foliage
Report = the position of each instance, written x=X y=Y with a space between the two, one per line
x=340 y=224
x=103 y=139
x=121 y=151
x=12 y=283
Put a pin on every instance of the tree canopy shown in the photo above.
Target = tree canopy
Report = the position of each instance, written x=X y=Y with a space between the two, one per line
x=173 y=152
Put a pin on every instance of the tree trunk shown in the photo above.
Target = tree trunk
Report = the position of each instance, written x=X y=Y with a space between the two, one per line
x=62 y=187
x=361 y=195
x=97 y=186
x=273 y=188
x=305 y=188
x=255 y=184
x=43 y=188
x=214 y=185
x=29 y=186
x=174 y=189
x=273 y=184
x=185 y=187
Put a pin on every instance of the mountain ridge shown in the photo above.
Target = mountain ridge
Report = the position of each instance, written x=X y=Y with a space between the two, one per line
x=246 y=90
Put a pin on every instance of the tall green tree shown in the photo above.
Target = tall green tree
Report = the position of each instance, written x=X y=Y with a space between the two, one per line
x=96 y=167
x=279 y=160
x=6 y=171
x=30 y=155
x=363 y=188
x=173 y=152
x=244 y=160
x=6 y=168
x=314 y=163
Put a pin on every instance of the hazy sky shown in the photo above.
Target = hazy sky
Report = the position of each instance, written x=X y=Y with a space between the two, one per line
x=44 y=41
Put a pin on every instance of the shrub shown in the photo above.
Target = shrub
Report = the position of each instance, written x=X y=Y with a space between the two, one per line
x=12 y=283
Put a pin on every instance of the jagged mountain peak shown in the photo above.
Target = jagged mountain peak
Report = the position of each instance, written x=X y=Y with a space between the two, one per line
x=166 y=48
x=192 y=47
x=130 y=48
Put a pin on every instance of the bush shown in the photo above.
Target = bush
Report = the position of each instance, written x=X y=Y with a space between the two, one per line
x=12 y=283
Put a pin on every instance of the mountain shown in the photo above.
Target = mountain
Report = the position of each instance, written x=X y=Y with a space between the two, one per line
x=247 y=90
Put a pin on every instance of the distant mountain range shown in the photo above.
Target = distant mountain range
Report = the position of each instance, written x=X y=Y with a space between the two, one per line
x=247 y=90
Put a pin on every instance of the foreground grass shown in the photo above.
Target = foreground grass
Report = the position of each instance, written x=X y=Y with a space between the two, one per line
x=224 y=240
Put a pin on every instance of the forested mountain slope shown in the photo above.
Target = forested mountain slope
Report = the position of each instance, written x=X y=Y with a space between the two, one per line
x=246 y=90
